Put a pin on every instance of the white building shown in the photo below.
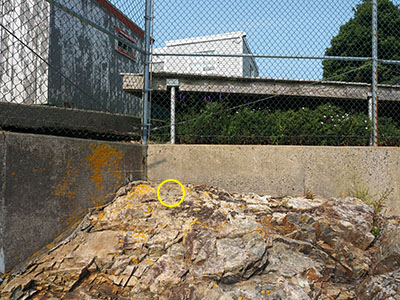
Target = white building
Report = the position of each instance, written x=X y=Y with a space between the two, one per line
x=76 y=52
x=227 y=43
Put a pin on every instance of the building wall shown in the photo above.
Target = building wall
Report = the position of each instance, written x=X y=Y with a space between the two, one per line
x=229 y=66
x=24 y=75
x=88 y=58
x=250 y=68
x=76 y=52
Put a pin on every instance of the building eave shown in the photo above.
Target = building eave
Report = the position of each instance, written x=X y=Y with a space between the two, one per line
x=121 y=17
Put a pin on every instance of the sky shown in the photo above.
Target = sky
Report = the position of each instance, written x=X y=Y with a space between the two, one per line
x=278 y=27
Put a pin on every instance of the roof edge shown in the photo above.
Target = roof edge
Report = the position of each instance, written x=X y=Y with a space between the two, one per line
x=206 y=38
x=121 y=17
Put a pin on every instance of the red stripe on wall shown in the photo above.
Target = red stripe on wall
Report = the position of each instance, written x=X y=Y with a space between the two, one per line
x=120 y=16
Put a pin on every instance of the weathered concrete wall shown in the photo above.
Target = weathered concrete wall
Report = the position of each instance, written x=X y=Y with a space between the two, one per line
x=283 y=170
x=48 y=183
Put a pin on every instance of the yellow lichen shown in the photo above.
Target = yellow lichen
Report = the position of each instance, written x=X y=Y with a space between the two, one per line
x=104 y=159
x=140 y=235
x=101 y=216
x=195 y=221
x=134 y=260
x=260 y=231
x=148 y=211
x=64 y=188
x=142 y=189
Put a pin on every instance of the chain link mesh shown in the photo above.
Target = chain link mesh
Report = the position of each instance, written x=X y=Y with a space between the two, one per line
x=276 y=72
x=60 y=66
x=282 y=72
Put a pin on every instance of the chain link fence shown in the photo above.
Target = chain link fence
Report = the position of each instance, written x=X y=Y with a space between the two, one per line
x=61 y=63
x=276 y=72
x=236 y=72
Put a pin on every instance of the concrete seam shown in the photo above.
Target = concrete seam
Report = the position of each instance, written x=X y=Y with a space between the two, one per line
x=146 y=153
x=2 y=203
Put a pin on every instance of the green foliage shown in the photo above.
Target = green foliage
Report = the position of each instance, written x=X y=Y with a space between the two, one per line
x=203 y=127
x=362 y=192
x=309 y=194
x=325 y=125
x=354 y=39
x=375 y=231
x=389 y=133
x=380 y=202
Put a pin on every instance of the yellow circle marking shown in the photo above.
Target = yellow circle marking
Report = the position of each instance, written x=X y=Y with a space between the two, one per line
x=170 y=205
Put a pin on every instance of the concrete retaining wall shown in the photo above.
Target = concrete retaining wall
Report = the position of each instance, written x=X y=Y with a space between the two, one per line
x=283 y=170
x=48 y=183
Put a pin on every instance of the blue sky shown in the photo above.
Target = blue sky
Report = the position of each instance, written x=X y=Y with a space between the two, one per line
x=281 y=27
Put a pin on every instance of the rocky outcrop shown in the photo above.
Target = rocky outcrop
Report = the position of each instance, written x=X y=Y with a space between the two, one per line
x=217 y=245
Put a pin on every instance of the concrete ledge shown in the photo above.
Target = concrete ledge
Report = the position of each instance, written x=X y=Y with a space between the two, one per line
x=282 y=170
x=133 y=83
x=55 y=118
x=48 y=183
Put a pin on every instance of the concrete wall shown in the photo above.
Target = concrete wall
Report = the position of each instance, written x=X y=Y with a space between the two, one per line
x=48 y=183
x=282 y=170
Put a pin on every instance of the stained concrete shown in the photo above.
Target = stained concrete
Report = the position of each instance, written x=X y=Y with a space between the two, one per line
x=48 y=183
x=283 y=170
x=67 y=119
x=133 y=83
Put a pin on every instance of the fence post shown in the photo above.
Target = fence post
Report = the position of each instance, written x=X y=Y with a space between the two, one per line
x=146 y=71
x=374 y=107
x=173 y=84
x=173 y=115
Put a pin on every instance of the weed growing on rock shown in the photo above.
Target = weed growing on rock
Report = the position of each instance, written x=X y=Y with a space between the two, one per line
x=309 y=195
x=377 y=201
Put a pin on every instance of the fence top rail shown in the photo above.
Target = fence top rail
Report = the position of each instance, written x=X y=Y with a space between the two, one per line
x=133 y=83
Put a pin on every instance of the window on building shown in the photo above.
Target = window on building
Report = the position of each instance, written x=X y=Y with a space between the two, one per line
x=158 y=66
x=122 y=47
x=196 y=64
x=200 y=64
x=209 y=64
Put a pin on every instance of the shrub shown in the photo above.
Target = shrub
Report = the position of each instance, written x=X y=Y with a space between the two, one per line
x=325 y=125
x=208 y=125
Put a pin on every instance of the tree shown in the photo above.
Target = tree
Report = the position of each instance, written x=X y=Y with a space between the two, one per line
x=354 y=39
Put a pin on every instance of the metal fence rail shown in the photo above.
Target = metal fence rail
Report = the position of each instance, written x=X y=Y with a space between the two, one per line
x=60 y=66
x=220 y=58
